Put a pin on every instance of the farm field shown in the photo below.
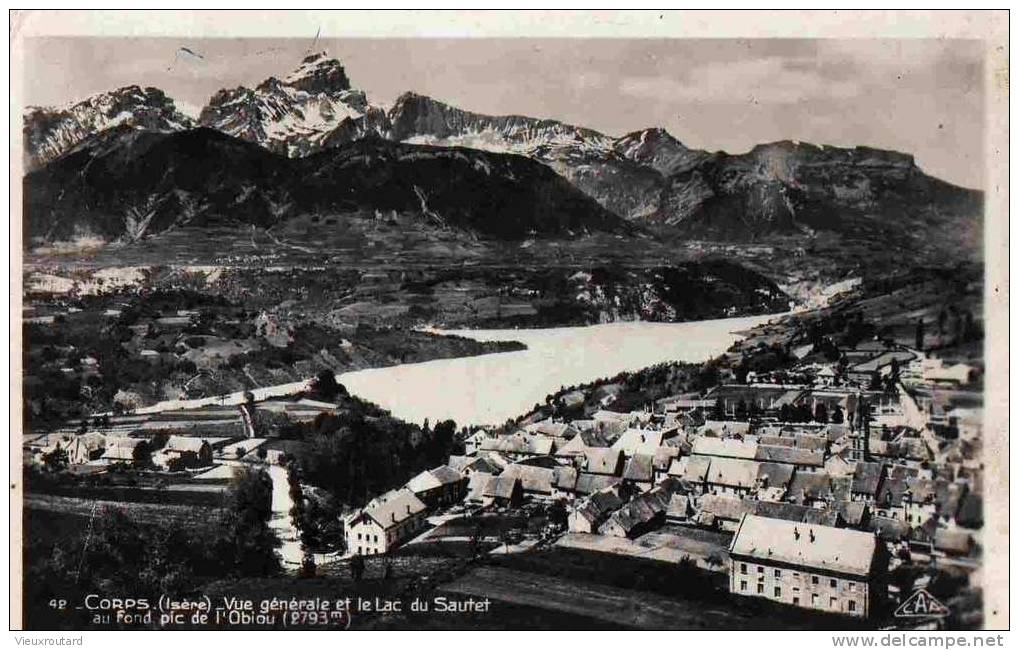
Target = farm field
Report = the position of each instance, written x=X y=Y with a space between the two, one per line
x=146 y=513
x=620 y=607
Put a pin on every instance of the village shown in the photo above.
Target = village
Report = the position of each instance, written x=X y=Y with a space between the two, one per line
x=831 y=494
x=831 y=487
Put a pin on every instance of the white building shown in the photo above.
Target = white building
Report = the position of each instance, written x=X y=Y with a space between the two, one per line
x=385 y=522
x=834 y=570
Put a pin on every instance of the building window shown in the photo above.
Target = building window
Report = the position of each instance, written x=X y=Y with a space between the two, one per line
x=760 y=588
x=833 y=602
x=359 y=537
x=376 y=538
x=852 y=586
x=852 y=605
x=834 y=583
x=778 y=592
x=743 y=568
x=760 y=570
x=796 y=600
x=742 y=585
x=778 y=573
x=813 y=600
x=813 y=580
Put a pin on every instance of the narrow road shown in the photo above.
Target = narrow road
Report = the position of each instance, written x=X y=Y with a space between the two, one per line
x=281 y=522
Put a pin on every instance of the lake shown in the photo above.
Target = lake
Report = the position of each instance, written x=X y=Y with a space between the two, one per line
x=491 y=388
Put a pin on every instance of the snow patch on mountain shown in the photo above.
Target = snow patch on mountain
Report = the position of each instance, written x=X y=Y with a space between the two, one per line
x=291 y=116
x=49 y=132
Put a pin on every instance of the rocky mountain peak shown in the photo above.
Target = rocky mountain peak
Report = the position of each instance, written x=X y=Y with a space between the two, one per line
x=318 y=73
x=49 y=132
x=656 y=148
x=292 y=115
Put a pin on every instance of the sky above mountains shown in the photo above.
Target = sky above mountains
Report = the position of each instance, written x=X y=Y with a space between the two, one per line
x=923 y=97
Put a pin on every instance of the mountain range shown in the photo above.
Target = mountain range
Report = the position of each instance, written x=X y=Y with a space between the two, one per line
x=130 y=183
x=314 y=116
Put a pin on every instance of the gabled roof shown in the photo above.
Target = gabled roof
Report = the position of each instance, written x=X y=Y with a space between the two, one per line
x=882 y=360
x=810 y=546
x=495 y=459
x=446 y=475
x=691 y=468
x=724 y=447
x=790 y=455
x=121 y=448
x=395 y=507
x=474 y=463
x=423 y=482
x=733 y=472
x=603 y=461
x=795 y=512
x=892 y=492
x=609 y=416
x=971 y=511
x=599 y=505
x=476 y=485
x=809 y=486
x=811 y=442
x=774 y=474
x=949 y=497
x=182 y=444
x=867 y=478
x=924 y=490
x=852 y=512
x=588 y=483
x=519 y=444
x=776 y=440
x=679 y=507
x=532 y=479
x=640 y=510
x=957 y=542
x=635 y=441
x=552 y=429
x=565 y=478
x=726 y=427
x=501 y=487
x=888 y=529
x=664 y=457
x=724 y=507
x=639 y=468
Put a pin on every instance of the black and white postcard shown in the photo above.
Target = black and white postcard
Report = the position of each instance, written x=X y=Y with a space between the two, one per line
x=577 y=320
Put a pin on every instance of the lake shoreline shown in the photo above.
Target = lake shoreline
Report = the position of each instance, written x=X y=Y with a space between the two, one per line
x=488 y=389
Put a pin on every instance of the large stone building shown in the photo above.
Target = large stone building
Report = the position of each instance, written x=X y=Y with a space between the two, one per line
x=834 y=570
x=385 y=522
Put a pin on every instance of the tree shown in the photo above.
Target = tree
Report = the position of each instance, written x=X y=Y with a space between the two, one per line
x=307 y=566
x=357 y=568
x=718 y=410
x=837 y=416
x=875 y=381
x=56 y=460
x=741 y=410
x=325 y=385
x=785 y=413
x=244 y=541
x=557 y=514
x=821 y=413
